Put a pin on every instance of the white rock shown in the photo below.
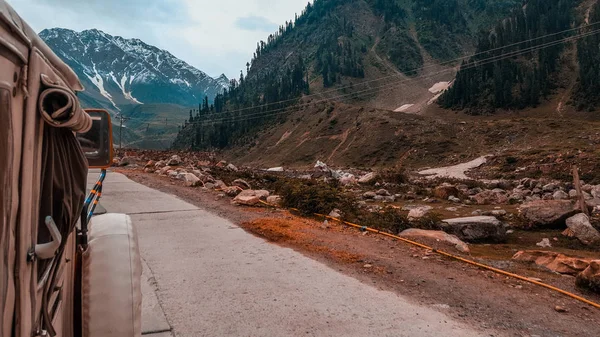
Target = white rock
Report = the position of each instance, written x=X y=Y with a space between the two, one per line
x=275 y=169
x=189 y=179
x=368 y=178
x=583 y=230
x=560 y=195
x=232 y=168
x=419 y=212
x=545 y=243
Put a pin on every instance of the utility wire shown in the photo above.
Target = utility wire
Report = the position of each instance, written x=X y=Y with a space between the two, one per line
x=393 y=85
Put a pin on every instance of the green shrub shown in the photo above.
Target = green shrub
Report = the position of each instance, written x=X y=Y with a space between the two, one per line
x=315 y=197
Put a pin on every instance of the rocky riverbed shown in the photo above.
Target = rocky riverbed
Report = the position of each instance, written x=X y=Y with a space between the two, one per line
x=539 y=221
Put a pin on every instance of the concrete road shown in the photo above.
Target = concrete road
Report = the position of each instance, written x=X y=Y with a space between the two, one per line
x=211 y=278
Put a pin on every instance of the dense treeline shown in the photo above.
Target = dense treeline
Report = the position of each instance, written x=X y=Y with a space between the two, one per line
x=241 y=108
x=515 y=82
x=588 y=53
x=338 y=57
x=259 y=97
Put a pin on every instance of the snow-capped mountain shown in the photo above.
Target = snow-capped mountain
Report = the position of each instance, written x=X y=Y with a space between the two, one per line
x=117 y=71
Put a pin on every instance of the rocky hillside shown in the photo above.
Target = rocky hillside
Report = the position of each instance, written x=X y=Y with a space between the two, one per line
x=117 y=72
x=388 y=54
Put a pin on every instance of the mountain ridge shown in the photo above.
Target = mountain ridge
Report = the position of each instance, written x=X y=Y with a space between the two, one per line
x=117 y=71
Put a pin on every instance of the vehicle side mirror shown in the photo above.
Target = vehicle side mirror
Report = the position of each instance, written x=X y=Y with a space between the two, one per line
x=97 y=143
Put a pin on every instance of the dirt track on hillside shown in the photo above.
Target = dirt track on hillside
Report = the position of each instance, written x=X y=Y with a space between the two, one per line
x=467 y=293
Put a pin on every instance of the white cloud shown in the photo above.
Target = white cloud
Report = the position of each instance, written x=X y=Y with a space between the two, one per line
x=204 y=33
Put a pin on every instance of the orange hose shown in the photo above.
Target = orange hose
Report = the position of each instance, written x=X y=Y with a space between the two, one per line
x=443 y=253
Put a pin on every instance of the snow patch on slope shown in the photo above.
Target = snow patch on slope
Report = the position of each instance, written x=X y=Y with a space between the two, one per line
x=99 y=83
x=122 y=85
x=404 y=108
x=439 y=87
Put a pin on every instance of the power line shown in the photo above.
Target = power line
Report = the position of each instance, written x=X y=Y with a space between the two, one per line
x=409 y=71
x=389 y=86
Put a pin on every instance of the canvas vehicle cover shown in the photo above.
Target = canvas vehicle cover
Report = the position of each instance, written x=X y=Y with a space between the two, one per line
x=42 y=174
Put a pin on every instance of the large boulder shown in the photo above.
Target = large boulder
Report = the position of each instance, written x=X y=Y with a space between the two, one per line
x=590 y=277
x=547 y=213
x=558 y=263
x=250 y=197
x=491 y=197
x=445 y=191
x=583 y=230
x=476 y=228
x=435 y=237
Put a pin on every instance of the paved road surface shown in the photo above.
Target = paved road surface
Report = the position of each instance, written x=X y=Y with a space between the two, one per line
x=213 y=279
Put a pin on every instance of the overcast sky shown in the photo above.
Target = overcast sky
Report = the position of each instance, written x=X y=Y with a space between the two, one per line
x=216 y=36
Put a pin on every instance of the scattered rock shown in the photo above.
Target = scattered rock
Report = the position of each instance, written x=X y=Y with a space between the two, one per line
x=547 y=213
x=160 y=164
x=173 y=174
x=321 y=166
x=583 y=230
x=275 y=200
x=418 y=212
x=560 y=195
x=150 y=163
x=189 y=179
x=242 y=184
x=558 y=263
x=488 y=197
x=560 y=309
x=384 y=193
x=590 y=277
x=232 y=191
x=232 y=168
x=369 y=195
x=496 y=212
x=347 y=179
x=203 y=163
x=336 y=213
x=276 y=169
x=250 y=197
x=219 y=184
x=549 y=187
x=545 y=243
x=174 y=161
x=126 y=161
x=436 y=236
x=595 y=192
x=368 y=178
x=209 y=186
x=573 y=194
x=453 y=199
x=163 y=171
x=445 y=191
x=475 y=229
x=451 y=209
